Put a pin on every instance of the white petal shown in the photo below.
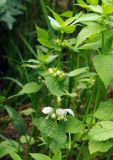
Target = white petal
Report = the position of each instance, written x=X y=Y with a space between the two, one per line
x=60 y=112
x=47 y=110
x=69 y=111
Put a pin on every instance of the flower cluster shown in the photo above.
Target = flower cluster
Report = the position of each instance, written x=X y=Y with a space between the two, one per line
x=56 y=73
x=59 y=113
x=61 y=43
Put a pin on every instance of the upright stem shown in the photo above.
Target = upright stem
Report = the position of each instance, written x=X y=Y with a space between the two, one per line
x=44 y=9
x=74 y=7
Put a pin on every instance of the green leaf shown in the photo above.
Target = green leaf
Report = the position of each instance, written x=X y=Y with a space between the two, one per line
x=77 y=72
x=54 y=86
x=88 y=18
x=39 y=156
x=104 y=68
x=43 y=37
x=15 y=156
x=101 y=131
x=73 y=125
x=54 y=23
x=53 y=133
x=17 y=120
x=105 y=111
x=51 y=58
x=57 y=156
x=2 y=2
x=88 y=31
x=26 y=138
x=57 y=18
x=107 y=8
x=2 y=99
x=96 y=9
x=31 y=87
x=93 y=2
x=98 y=146
x=67 y=14
x=68 y=29
x=7 y=147
x=27 y=111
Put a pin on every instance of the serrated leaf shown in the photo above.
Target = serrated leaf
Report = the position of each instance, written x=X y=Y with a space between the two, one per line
x=39 y=156
x=53 y=133
x=105 y=111
x=31 y=87
x=97 y=146
x=73 y=125
x=104 y=68
x=54 y=86
x=101 y=131
x=88 y=31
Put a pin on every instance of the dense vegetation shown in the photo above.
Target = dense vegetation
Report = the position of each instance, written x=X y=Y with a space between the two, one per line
x=56 y=98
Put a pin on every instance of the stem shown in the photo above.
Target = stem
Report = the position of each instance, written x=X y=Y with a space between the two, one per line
x=74 y=8
x=28 y=148
x=44 y=9
x=78 y=157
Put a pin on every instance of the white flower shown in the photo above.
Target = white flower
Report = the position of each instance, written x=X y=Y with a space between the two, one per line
x=59 y=113
x=69 y=111
x=47 y=110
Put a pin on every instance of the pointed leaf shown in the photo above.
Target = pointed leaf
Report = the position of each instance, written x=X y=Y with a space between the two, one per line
x=104 y=67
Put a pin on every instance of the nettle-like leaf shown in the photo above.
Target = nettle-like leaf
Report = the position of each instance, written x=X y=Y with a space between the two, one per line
x=55 y=87
x=104 y=68
x=98 y=146
x=73 y=125
x=53 y=133
x=46 y=40
x=39 y=156
x=88 y=31
x=105 y=111
x=102 y=131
